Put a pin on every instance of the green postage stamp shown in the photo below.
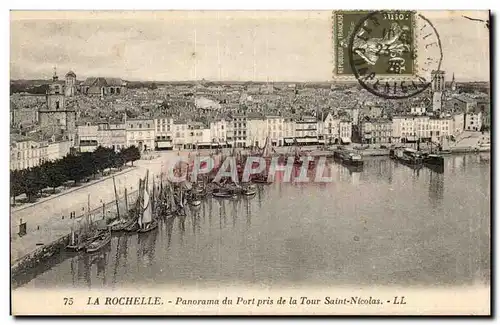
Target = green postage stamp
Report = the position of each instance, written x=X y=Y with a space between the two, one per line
x=383 y=40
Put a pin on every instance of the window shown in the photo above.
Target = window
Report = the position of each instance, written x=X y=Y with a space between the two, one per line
x=140 y=126
x=57 y=104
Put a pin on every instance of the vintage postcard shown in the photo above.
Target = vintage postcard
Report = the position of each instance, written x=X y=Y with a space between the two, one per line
x=250 y=162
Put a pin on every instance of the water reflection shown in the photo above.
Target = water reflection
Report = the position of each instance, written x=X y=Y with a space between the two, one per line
x=384 y=224
x=436 y=188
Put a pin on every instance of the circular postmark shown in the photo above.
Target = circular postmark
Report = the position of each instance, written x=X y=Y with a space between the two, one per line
x=383 y=53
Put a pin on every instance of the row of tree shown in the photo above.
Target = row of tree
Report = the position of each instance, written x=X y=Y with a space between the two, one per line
x=73 y=167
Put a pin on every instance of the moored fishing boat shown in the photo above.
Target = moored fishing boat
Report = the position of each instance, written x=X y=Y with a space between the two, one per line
x=261 y=179
x=119 y=225
x=433 y=159
x=99 y=242
x=351 y=158
x=195 y=202
x=222 y=192
x=86 y=234
x=147 y=220
x=249 y=190
x=409 y=157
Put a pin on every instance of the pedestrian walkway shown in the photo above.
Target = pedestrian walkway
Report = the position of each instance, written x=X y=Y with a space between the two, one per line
x=48 y=220
x=69 y=190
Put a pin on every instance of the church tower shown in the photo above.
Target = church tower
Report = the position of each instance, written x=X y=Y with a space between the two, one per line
x=70 y=85
x=55 y=95
x=453 y=84
x=438 y=86
x=55 y=116
x=437 y=80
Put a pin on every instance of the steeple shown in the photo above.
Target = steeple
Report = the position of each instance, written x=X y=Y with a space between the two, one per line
x=453 y=84
x=55 y=78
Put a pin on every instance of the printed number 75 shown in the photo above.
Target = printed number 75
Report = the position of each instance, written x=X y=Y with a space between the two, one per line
x=68 y=301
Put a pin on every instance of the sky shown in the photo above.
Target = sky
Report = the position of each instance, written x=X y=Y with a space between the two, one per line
x=212 y=45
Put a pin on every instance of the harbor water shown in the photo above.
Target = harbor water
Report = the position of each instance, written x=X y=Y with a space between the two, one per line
x=386 y=224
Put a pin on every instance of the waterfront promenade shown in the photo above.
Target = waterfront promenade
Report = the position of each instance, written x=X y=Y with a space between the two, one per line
x=45 y=222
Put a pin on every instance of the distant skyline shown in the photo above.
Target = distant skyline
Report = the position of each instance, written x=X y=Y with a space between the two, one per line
x=261 y=46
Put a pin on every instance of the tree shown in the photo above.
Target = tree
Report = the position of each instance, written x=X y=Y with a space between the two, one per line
x=103 y=158
x=74 y=167
x=134 y=154
x=55 y=174
x=41 y=178
x=16 y=187
x=118 y=160
x=30 y=184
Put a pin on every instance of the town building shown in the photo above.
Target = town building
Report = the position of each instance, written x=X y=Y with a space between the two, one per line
x=56 y=114
x=484 y=107
x=306 y=130
x=164 y=126
x=257 y=130
x=274 y=126
x=376 y=130
x=437 y=80
x=140 y=132
x=473 y=120
x=331 y=129
x=26 y=152
x=410 y=128
x=218 y=131
x=288 y=131
x=70 y=85
x=197 y=136
x=58 y=148
x=109 y=134
x=458 y=124
x=180 y=128
x=345 y=129
x=99 y=86
x=417 y=110
x=240 y=131
x=462 y=103
x=20 y=117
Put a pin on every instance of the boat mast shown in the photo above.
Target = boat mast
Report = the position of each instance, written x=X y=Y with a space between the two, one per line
x=116 y=198
x=139 y=203
x=126 y=202
x=89 y=221
x=153 y=195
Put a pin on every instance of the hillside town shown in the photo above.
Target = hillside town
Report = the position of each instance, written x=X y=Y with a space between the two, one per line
x=79 y=116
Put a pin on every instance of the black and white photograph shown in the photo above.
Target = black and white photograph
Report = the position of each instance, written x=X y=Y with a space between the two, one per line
x=332 y=162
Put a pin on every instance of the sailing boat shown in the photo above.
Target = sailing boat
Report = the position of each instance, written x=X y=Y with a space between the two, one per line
x=86 y=234
x=121 y=223
x=73 y=240
x=146 y=221
x=99 y=242
x=133 y=225
x=172 y=204
x=263 y=178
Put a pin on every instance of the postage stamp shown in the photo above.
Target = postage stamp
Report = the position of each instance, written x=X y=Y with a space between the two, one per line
x=393 y=29
x=379 y=49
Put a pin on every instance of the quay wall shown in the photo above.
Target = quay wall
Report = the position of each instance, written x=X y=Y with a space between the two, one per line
x=32 y=259
x=100 y=216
